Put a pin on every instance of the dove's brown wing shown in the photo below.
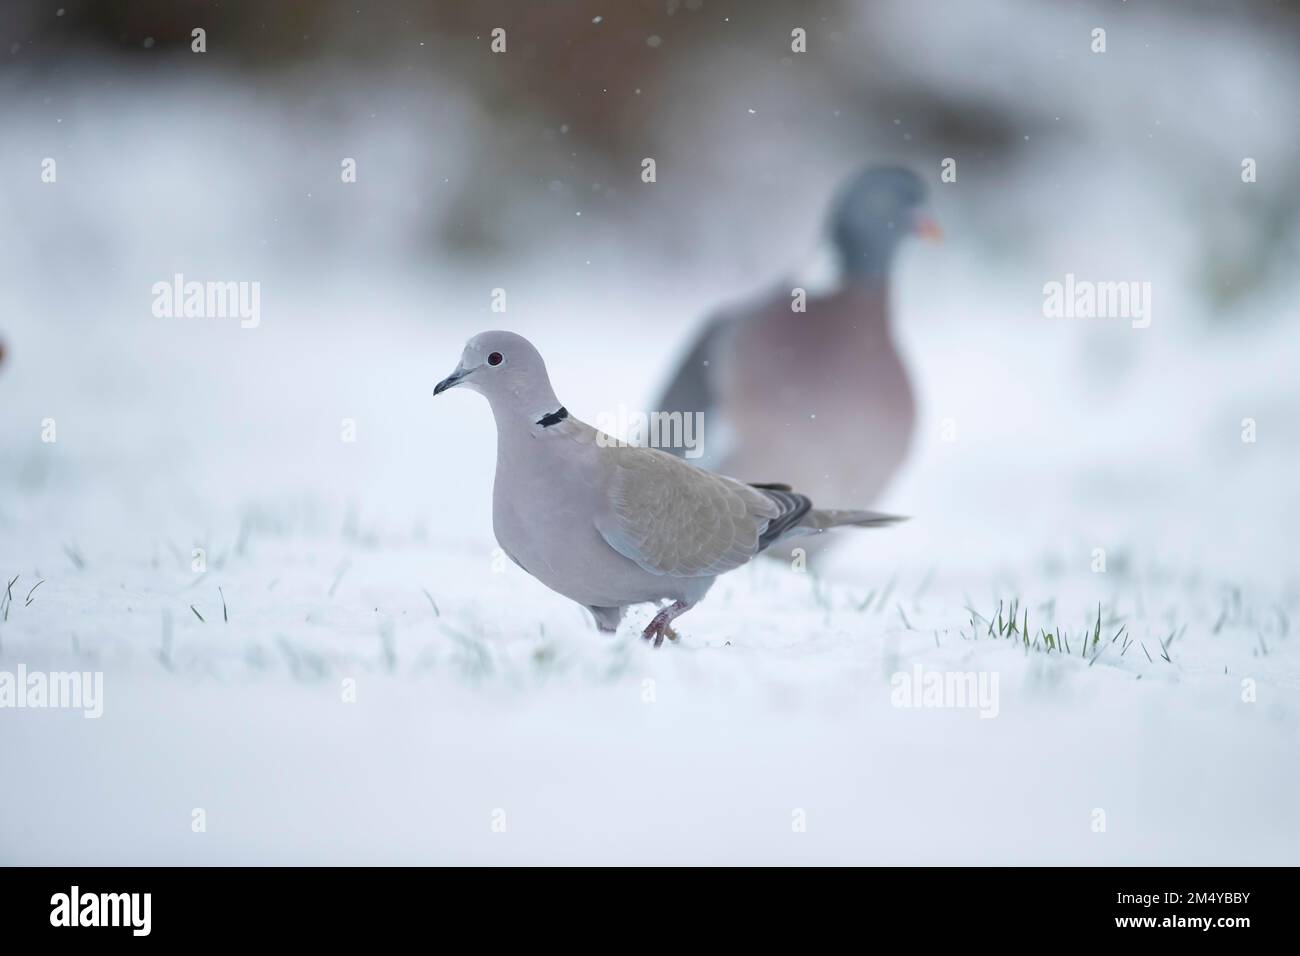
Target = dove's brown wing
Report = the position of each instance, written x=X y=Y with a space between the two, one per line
x=675 y=519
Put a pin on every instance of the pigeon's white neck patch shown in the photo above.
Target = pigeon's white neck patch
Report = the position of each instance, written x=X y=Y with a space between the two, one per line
x=821 y=273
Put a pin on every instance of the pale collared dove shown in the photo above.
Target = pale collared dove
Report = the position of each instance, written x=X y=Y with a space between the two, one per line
x=820 y=397
x=608 y=525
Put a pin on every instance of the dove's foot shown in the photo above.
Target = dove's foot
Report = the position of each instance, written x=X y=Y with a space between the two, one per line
x=607 y=618
x=660 y=625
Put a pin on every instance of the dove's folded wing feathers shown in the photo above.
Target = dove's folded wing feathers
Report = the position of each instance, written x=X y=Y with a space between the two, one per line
x=675 y=519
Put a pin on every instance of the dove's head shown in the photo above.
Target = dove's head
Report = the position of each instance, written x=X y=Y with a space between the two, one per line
x=873 y=213
x=507 y=370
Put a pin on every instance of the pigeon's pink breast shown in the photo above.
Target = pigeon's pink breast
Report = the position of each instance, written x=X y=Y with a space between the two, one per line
x=820 y=401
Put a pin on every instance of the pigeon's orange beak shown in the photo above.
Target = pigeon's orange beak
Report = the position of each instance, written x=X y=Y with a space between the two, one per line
x=927 y=227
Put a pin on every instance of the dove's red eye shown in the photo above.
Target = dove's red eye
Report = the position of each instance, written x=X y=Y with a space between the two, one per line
x=496 y=358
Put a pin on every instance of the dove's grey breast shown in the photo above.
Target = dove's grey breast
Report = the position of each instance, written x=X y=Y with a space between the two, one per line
x=551 y=486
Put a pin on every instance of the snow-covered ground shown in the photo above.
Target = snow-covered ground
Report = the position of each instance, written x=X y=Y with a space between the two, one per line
x=354 y=675
x=777 y=701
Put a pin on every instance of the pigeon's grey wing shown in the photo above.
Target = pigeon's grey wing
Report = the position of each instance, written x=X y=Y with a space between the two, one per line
x=692 y=388
x=675 y=519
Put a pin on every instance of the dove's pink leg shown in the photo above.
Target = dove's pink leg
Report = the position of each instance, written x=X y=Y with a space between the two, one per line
x=660 y=624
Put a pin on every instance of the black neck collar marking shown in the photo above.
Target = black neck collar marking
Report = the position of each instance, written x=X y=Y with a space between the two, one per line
x=554 y=418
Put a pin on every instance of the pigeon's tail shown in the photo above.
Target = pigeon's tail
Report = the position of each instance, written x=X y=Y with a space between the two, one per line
x=820 y=519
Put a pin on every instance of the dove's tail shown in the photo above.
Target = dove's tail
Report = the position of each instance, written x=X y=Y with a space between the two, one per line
x=799 y=517
x=821 y=519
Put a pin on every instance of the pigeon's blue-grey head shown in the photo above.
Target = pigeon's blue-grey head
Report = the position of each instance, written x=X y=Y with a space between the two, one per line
x=507 y=370
x=874 y=211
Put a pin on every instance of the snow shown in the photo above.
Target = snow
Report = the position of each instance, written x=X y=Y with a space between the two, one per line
x=604 y=751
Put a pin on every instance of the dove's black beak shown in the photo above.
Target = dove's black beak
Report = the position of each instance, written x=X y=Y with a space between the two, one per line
x=450 y=381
